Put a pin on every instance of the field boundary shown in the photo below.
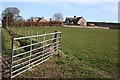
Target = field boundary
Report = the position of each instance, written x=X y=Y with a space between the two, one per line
x=37 y=51
x=96 y=27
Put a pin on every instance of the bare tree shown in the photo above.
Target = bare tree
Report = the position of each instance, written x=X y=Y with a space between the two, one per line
x=58 y=17
x=12 y=10
x=8 y=15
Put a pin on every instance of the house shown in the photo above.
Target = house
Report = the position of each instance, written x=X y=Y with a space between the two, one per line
x=43 y=20
x=32 y=19
x=75 y=21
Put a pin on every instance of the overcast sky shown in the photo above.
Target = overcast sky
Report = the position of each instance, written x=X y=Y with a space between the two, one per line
x=104 y=10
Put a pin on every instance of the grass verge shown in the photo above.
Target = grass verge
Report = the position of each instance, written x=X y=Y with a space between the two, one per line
x=6 y=42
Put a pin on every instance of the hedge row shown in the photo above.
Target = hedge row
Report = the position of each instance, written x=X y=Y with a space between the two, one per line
x=51 y=23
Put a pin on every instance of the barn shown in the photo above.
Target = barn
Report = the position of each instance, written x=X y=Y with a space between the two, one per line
x=75 y=21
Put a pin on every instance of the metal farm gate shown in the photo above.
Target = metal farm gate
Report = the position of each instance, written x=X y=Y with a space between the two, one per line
x=32 y=50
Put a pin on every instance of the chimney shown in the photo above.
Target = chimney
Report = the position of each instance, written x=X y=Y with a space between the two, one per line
x=74 y=17
x=50 y=19
x=42 y=17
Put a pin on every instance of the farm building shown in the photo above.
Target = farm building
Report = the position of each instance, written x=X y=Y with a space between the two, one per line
x=105 y=24
x=75 y=21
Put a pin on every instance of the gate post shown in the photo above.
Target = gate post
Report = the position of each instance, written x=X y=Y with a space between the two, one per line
x=11 y=57
x=60 y=35
x=54 y=41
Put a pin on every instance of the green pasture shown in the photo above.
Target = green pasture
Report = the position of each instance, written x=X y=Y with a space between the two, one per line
x=91 y=53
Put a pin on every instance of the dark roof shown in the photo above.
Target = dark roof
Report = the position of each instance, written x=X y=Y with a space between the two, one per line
x=69 y=19
x=74 y=20
x=78 y=18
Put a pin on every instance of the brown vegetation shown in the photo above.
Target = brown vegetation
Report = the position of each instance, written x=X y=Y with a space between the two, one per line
x=26 y=23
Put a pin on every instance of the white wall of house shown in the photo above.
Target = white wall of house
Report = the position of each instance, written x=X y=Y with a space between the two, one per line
x=82 y=22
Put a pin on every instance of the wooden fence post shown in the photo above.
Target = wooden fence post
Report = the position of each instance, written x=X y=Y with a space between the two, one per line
x=25 y=32
x=28 y=32
x=37 y=36
x=20 y=31
x=44 y=37
x=15 y=30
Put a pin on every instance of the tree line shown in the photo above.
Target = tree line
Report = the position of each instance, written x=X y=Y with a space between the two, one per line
x=11 y=17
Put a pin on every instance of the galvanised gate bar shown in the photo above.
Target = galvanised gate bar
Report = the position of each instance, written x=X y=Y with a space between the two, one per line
x=37 y=50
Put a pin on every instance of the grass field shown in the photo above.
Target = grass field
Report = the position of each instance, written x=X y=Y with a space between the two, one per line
x=6 y=42
x=91 y=53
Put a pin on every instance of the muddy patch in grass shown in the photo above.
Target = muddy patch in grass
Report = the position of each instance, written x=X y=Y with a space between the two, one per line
x=49 y=69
